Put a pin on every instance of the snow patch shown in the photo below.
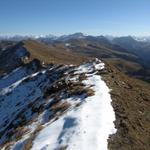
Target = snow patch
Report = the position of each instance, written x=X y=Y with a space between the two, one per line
x=67 y=44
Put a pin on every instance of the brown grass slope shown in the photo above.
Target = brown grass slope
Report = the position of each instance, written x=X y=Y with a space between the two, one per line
x=51 y=54
x=131 y=102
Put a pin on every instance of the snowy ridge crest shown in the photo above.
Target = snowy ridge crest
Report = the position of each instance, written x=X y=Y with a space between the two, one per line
x=61 y=107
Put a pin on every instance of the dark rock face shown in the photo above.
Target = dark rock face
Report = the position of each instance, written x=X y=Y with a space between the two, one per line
x=13 y=57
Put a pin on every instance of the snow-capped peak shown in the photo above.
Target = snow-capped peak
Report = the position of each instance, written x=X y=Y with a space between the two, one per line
x=142 y=38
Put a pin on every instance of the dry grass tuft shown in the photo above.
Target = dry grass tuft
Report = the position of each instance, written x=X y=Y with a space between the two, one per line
x=60 y=107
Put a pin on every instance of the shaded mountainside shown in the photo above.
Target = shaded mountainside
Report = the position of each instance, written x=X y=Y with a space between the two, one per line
x=26 y=51
x=142 y=49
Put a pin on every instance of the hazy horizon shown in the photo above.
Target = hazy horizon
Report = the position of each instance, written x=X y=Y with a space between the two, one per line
x=59 y=35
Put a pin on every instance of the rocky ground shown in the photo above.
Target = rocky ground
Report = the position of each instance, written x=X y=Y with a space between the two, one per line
x=131 y=102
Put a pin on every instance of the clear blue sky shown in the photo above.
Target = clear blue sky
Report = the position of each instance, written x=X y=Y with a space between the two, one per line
x=115 y=17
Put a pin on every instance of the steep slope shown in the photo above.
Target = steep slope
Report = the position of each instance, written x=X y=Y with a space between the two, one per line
x=26 y=51
x=131 y=102
x=86 y=127
x=142 y=49
x=11 y=57
x=57 y=107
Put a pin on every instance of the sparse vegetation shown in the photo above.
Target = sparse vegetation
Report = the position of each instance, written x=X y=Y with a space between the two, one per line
x=60 y=107
x=51 y=54
x=131 y=110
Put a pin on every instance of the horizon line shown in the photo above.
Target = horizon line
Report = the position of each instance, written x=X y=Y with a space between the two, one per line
x=59 y=35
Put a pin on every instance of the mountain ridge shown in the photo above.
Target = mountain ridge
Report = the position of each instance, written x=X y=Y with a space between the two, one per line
x=37 y=95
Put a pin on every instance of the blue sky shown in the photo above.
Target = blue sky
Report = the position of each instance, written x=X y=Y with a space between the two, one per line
x=95 y=17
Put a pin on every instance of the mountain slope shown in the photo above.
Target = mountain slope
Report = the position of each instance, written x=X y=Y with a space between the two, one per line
x=26 y=51
x=67 y=98
x=142 y=49
x=130 y=100
x=127 y=61
x=59 y=105
x=52 y=54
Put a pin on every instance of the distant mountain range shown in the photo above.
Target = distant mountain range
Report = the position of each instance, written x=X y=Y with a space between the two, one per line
x=70 y=36
x=139 y=46
x=126 y=53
